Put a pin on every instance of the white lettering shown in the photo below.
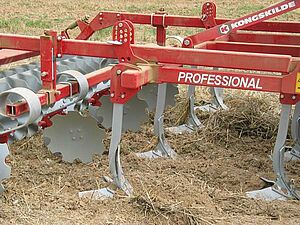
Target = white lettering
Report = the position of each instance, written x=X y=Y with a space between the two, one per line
x=292 y=4
x=244 y=82
x=235 y=81
x=189 y=77
x=257 y=84
x=219 y=80
x=251 y=83
x=197 y=78
x=211 y=79
x=255 y=18
x=225 y=81
x=181 y=76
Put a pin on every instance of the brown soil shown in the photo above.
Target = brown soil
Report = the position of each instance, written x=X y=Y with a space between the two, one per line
x=205 y=184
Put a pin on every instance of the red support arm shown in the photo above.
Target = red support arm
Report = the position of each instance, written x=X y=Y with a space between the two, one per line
x=10 y=55
x=197 y=57
x=242 y=23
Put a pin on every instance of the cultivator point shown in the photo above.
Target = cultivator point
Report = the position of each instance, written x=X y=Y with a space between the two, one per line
x=81 y=88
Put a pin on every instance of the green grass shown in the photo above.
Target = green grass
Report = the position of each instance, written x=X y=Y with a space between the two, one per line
x=18 y=16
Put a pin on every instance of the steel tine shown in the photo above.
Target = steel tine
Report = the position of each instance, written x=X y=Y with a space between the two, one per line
x=282 y=189
x=162 y=148
x=118 y=179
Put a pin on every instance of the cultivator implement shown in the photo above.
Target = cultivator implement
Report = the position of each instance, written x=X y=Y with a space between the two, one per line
x=81 y=88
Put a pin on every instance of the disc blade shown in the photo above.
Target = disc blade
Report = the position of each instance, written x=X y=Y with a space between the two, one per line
x=134 y=113
x=75 y=137
x=5 y=170
x=149 y=94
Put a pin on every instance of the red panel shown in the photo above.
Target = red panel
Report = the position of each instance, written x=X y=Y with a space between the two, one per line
x=21 y=42
x=10 y=55
x=293 y=50
x=212 y=78
x=280 y=39
x=200 y=57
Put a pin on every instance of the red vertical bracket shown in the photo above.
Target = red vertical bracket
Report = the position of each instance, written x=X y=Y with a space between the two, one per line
x=118 y=93
x=161 y=36
x=209 y=13
x=123 y=32
x=123 y=37
x=161 y=31
x=48 y=51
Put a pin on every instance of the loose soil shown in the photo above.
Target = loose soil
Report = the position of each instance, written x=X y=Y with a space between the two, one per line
x=205 y=184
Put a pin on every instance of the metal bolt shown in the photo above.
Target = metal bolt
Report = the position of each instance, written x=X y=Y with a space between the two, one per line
x=294 y=97
x=281 y=96
x=59 y=38
x=58 y=55
x=112 y=95
x=186 y=42
x=120 y=24
x=73 y=138
x=43 y=74
x=118 y=15
x=123 y=96
x=101 y=14
x=119 y=72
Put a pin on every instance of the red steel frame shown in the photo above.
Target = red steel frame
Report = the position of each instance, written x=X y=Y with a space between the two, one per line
x=217 y=47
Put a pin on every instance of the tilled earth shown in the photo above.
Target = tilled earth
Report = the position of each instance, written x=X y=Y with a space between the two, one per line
x=205 y=184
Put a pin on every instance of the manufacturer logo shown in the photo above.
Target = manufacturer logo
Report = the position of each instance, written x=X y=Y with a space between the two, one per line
x=225 y=29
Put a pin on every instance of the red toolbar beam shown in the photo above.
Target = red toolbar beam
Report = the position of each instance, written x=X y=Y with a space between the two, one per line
x=213 y=78
x=21 y=42
x=107 y=19
x=242 y=23
x=293 y=50
x=201 y=57
x=278 y=39
x=198 y=57
x=10 y=55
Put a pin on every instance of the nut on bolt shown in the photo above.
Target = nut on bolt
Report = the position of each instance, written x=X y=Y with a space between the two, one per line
x=294 y=97
x=119 y=72
x=112 y=95
x=43 y=74
x=186 y=42
x=122 y=95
